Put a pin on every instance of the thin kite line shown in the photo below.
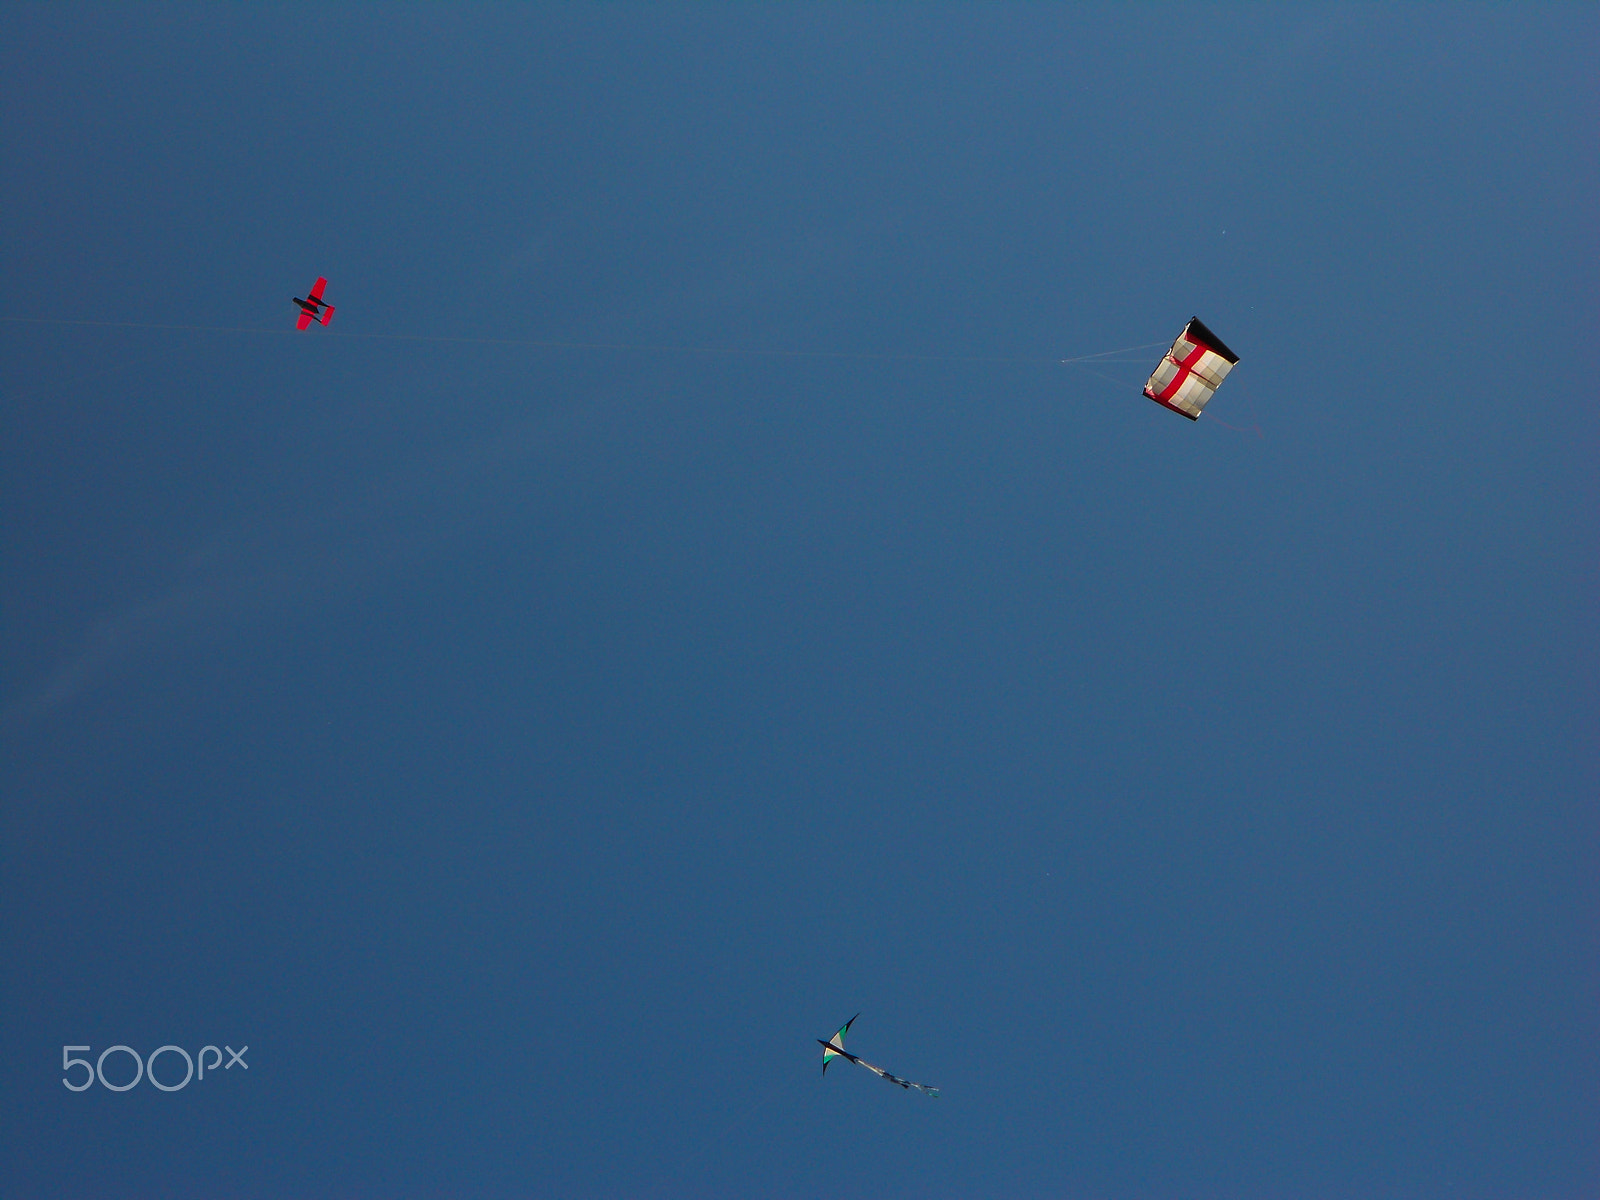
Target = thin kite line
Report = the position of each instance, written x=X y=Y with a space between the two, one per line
x=146 y=325
x=1122 y=384
x=546 y=345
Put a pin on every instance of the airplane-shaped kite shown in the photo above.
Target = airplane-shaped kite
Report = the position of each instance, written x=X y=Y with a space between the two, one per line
x=313 y=302
x=834 y=1048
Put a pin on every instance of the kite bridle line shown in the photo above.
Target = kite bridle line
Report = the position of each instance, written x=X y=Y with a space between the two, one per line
x=1103 y=356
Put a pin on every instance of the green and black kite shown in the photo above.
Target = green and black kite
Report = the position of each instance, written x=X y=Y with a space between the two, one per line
x=834 y=1048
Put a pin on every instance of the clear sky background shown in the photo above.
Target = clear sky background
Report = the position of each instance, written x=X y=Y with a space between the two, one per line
x=528 y=752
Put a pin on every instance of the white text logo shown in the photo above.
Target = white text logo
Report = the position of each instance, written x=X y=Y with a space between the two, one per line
x=144 y=1067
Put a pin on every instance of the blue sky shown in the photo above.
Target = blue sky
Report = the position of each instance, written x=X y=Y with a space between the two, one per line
x=528 y=750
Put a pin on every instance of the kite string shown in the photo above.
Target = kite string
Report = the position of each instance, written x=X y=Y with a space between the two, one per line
x=1121 y=384
x=1103 y=355
x=1252 y=428
x=1241 y=394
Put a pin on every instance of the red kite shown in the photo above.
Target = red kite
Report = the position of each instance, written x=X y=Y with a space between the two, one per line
x=313 y=302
